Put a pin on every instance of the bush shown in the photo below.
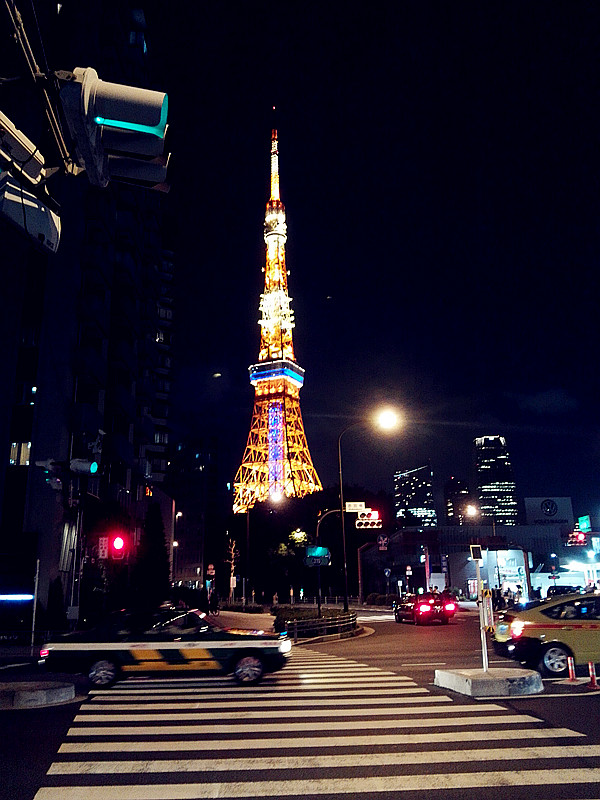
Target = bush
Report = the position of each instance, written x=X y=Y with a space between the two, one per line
x=249 y=608
x=375 y=599
x=284 y=613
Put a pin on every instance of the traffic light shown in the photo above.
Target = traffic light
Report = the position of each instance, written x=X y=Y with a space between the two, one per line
x=368 y=519
x=81 y=466
x=53 y=473
x=119 y=131
x=577 y=538
x=117 y=546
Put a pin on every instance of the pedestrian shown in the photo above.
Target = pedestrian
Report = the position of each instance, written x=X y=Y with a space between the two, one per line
x=203 y=600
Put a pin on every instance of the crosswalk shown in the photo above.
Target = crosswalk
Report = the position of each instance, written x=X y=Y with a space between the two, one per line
x=323 y=727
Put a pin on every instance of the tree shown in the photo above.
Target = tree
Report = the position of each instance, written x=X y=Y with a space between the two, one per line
x=150 y=578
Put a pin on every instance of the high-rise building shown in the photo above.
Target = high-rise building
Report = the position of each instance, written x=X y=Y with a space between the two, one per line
x=413 y=493
x=457 y=498
x=495 y=480
x=276 y=461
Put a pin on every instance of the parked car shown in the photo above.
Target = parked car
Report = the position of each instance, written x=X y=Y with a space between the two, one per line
x=553 y=591
x=545 y=633
x=170 y=641
x=421 y=609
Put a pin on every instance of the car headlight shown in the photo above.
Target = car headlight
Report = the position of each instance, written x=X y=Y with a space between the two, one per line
x=285 y=646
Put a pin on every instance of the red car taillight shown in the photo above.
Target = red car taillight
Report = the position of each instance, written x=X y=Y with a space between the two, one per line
x=44 y=653
x=450 y=607
x=424 y=608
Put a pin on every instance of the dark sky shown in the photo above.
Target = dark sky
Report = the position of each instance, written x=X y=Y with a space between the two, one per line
x=439 y=167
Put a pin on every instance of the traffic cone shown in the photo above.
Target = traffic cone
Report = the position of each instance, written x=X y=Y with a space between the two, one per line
x=593 y=684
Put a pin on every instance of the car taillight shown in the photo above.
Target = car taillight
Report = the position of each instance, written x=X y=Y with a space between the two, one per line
x=424 y=608
x=516 y=628
x=44 y=653
x=450 y=607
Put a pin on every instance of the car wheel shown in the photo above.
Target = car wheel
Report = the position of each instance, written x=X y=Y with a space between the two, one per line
x=248 y=669
x=103 y=673
x=416 y=620
x=554 y=661
x=444 y=620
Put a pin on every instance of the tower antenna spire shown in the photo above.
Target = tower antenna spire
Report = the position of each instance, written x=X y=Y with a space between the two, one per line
x=276 y=461
x=274 y=165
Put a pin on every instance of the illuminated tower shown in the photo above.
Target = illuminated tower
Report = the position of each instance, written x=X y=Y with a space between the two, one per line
x=276 y=461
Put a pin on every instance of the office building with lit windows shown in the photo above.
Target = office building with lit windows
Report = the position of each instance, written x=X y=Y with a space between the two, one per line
x=496 y=488
x=413 y=497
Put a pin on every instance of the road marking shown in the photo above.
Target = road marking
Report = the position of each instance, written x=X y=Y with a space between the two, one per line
x=118 y=695
x=265 y=693
x=314 y=786
x=284 y=727
x=181 y=705
x=424 y=664
x=356 y=760
x=295 y=743
x=287 y=714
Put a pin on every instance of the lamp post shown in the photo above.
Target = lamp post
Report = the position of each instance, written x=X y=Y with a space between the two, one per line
x=386 y=419
x=319 y=521
x=175 y=544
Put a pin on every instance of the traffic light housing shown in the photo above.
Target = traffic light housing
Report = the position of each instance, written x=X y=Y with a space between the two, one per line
x=81 y=466
x=118 y=131
x=52 y=472
x=577 y=538
x=117 y=546
x=368 y=519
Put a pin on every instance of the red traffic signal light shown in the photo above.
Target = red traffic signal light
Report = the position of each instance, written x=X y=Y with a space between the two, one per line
x=117 y=546
x=577 y=537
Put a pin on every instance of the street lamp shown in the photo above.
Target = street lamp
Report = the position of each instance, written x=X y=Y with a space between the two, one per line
x=386 y=419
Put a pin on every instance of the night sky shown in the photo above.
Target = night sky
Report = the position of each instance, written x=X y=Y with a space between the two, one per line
x=439 y=168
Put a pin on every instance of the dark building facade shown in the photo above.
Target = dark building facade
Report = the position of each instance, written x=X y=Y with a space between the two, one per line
x=88 y=366
x=457 y=499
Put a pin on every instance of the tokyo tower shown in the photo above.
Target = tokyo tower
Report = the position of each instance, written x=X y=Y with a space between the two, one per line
x=276 y=461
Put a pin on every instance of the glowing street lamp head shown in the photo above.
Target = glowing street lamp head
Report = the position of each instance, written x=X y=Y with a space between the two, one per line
x=471 y=510
x=276 y=496
x=388 y=419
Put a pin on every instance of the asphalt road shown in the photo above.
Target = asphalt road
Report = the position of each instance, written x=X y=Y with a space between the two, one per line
x=356 y=717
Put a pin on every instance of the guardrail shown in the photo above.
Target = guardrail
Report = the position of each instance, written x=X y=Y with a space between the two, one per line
x=321 y=626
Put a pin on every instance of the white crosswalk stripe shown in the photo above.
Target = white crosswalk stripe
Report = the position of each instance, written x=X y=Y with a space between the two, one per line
x=311 y=730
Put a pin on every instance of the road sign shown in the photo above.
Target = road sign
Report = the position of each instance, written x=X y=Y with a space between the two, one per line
x=387 y=572
x=357 y=506
x=317 y=561
x=409 y=570
x=383 y=541
x=103 y=547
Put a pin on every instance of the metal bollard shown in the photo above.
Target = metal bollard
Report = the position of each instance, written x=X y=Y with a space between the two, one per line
x=593 y=684
x=571 y=663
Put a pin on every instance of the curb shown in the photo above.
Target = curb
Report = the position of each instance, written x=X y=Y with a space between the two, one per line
x=21 y=694
x=495 y=681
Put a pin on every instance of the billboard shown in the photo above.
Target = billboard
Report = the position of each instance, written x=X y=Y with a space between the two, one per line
x=549 y=511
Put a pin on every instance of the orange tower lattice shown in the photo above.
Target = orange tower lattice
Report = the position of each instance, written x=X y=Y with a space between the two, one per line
x=276 y=461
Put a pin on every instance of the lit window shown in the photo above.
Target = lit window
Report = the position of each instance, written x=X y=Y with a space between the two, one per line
x=14 y=453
